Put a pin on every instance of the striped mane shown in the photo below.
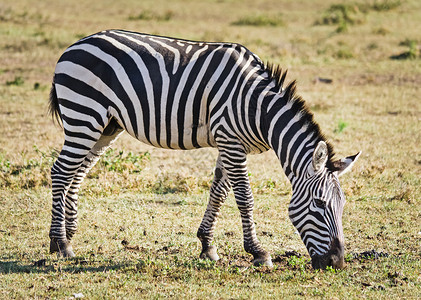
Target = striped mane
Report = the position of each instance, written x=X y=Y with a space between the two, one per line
x=277 y=75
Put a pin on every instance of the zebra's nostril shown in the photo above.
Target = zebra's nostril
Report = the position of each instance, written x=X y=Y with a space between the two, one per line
x=321 y=262
x=333 y=258
x=337 y=262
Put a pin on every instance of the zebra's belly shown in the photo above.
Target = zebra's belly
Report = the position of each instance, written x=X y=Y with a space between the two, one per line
x=192 y=137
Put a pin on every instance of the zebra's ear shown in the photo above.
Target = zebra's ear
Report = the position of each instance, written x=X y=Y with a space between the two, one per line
x=320 y=156
x=345 y=164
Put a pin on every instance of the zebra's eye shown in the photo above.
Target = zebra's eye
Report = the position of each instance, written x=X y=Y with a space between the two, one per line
x=319 y=203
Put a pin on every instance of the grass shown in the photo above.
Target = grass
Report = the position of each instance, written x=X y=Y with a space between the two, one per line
x=351 y=13
x=140 y=207
x=413 y=52
x=343 y=15
x=17 y=81
x=260 y=20
x=341 y=126
x=148 y=15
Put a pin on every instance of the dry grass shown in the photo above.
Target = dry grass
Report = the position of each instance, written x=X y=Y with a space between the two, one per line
x=139 y=212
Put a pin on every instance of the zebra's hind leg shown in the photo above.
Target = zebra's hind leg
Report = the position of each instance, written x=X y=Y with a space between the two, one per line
x=91 y=159
x=68 y=172
x=62 y=175
x=218 y=194
x=234 y=160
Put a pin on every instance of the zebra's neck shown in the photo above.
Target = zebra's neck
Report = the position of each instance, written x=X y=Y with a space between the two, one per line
x=291 y=131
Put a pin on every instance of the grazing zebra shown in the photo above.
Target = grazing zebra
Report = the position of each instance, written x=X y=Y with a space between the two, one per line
x=180 y=94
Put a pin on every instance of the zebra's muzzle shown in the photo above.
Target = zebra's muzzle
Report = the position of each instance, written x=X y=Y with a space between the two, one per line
x=333 y=258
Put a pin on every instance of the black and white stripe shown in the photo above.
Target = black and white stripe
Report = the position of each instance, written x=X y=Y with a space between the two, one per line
x=180 y=94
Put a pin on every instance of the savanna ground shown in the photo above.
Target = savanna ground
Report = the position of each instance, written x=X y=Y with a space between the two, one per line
x=358 y=65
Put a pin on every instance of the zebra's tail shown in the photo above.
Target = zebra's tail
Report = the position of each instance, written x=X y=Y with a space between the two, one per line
x=53 y=107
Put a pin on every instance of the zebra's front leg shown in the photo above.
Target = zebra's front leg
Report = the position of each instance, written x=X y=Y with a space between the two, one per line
x=236 y=168
x=218 y=194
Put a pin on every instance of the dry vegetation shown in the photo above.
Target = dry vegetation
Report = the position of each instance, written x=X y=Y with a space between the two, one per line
x=358 y=66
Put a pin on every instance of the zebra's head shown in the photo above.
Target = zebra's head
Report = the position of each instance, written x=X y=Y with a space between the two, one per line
x=316 y=208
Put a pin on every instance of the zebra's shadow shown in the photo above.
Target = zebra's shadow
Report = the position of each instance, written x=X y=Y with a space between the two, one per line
x=74 y=265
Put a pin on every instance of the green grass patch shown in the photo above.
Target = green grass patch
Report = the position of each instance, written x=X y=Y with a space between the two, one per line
x=413 y=52
x=346 y=14
x=343 y=53
x=29 y=173
x=18 y=81
x=260 y=20
x=384 y=5
x=121 y=161
x=342 y=15
x=341 y=126
x=148 y=15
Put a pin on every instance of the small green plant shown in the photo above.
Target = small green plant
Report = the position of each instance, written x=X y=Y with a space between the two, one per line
x=348 y=14
x=298 y=263
x=266 y=186
x=118 y=161
x=331 y=269
x=349 y=257
x=343 y=53
x=270 y=184
x=342 y=15
x=413 y=51
x=260 y=20
x=341 y=126
x=5 y=164
x=148 y=15
x=202 y=264
x=385 y=5
x=171 y=183
x=18 y=81
x=381 y=31
x=29 y=173
x=408 y=43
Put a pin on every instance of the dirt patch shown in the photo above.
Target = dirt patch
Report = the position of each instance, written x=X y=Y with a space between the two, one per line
x=236 y=261
x=372 y=254
x=288 y=254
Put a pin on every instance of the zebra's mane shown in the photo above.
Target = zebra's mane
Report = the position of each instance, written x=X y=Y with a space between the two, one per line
x=277 y=75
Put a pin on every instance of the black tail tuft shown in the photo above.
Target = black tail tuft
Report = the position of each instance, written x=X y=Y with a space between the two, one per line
x=53 y=107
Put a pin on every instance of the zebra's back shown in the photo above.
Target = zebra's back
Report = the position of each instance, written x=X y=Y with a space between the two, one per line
x=163 y=91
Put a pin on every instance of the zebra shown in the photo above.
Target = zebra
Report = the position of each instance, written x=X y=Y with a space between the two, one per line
x=181 y=94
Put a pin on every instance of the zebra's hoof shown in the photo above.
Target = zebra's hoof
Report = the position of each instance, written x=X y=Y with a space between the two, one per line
x=63 y=248
x=263 y=260
x=210 y=253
